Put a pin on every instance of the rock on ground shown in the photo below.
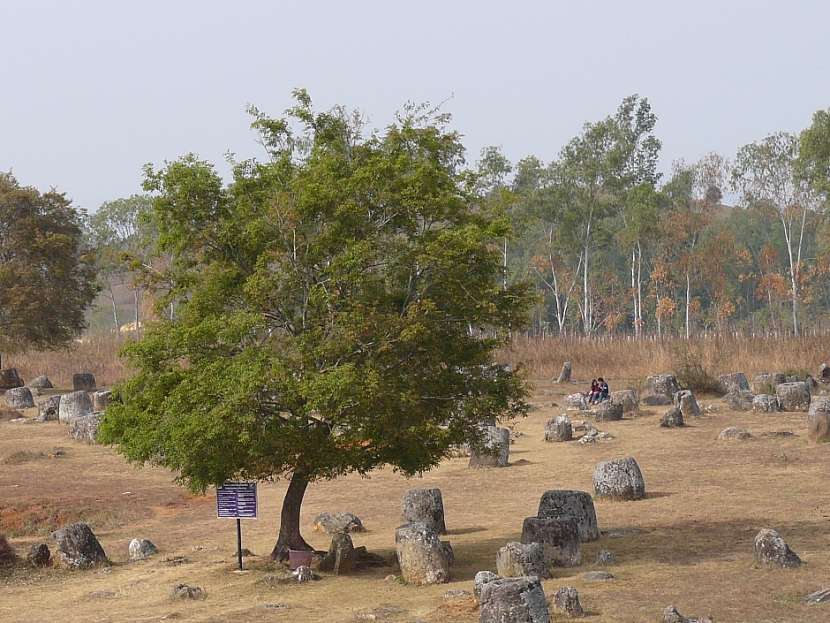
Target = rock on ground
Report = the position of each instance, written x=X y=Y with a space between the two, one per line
x=78 y=547
x=41 y=382
x=597 y=576
x=660 y=389
x=9 y=379
x=627 y=398
x=673 y=418
x=186 y=591
x=559 y=539
x=422 y=557
x=818 y=419
x=739 y=400
x=74 y=404
x=608 y=411
x=334 y=523
x=765 y=403
x=733 y=433
x=425 y=506
x=101 y=400
x=141 y=549
x=513 y=600
x=7 y=555
x=48 y=409
x=20 y=398
x=495 y=449
x=793 y=396
x=734 y=382
x=818 y=597
x=576 y=402
x=687 y=402
x=566 y=601
x=772 y=551
x=605 y=557
x=559 y=428
x=482 y=578
x=766 y=382
x=39 y=555
x=671 y=615
x=619 y=479
x=522 y=559
x=565 y=374
x=83 y=381
x=85 y=428
x=577 y=505
x=341 y=558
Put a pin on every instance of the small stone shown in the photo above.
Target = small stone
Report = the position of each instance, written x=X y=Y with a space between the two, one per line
x=578 y=505
x=341 y=557
x=576 y=402
x=559 y=429
x=7 y=555
x=422 y=557
x=671 y=615
x=424 y=506
x=141 y=549
x=619 y=479
x=735 y=382
x=608 y=411
x=765 y=403
x=772 y=551
x=47 y=409
x=818 y=419
x=566 y=601
x=627 y=399
x=793 y=396
x=39 y=555
x=559 y=539
x=522 y=559
x=565 y=374
x=819 y=597
x=458 y=593
x=20 y=398
x=185 y=591
x=673 y=418
x=605 y=557
x=495 y=450
x=597 y=576
x=85 y=428
x=733 y=433
x=83 y=381
x=390 y=578
x=74 y=404
x=513 y=600
x=78 y=547
x=101 y=400
x=304 y=574
x=337 y=523
x=41 y=382
x=482 y=578
x=687 y=403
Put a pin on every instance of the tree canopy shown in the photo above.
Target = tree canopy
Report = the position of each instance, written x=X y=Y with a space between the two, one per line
x=339 y=305
x=47 y=275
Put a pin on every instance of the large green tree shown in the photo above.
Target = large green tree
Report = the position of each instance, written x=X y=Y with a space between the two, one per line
x=47 y=276
x=327 y=296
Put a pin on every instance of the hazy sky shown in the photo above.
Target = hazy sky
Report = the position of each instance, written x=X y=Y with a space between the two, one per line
x=91 y=90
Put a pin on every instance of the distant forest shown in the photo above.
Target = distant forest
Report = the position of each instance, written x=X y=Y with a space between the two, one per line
x=732 y=242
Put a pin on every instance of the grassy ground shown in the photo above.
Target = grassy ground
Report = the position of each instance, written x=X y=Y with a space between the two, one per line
x=689 y=543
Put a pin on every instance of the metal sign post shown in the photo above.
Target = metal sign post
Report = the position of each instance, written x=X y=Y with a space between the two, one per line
x=237 y=500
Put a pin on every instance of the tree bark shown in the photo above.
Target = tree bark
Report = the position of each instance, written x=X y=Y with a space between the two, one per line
x=289 y=536
x=688 y=301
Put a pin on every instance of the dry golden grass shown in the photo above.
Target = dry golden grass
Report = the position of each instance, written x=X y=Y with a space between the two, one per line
x=689 y=542
x=96 y=354
x=629 y=359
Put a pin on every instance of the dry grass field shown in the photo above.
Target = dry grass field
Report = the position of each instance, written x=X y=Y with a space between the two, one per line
x=689 y=543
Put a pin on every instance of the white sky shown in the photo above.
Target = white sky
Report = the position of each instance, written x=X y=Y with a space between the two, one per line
x=91 y=90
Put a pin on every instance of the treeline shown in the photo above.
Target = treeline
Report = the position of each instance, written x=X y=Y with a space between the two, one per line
x=723 y=244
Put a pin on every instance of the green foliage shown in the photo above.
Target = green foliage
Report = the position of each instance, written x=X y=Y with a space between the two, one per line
x=814 y=153
x=47 y=276
x=691 y=368
x=333 y=301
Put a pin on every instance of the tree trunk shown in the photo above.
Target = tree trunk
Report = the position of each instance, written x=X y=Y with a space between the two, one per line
x=289 y=536
x=114 y=308
x=688 y=301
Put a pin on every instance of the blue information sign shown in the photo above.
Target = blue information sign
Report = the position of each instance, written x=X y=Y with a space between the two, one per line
x=236 y=500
